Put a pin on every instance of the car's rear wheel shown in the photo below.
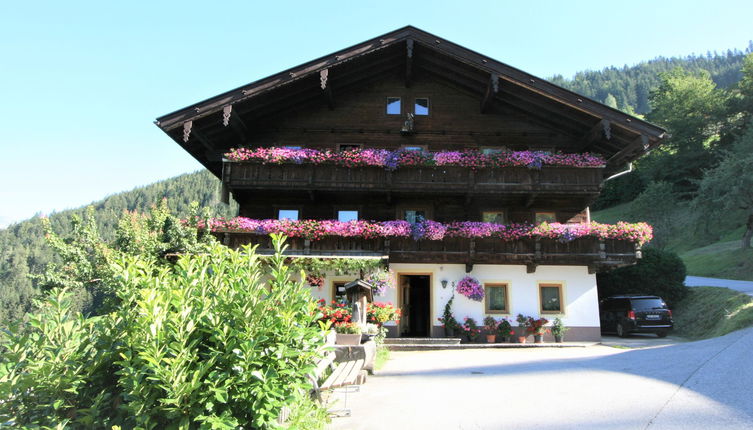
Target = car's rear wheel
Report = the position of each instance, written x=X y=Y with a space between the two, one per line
x=621 y=330
x=661 y=334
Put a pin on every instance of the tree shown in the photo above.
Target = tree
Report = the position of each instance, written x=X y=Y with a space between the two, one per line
x=729 y=186
x=657 y=205
x=610 y=101
x=692 y=109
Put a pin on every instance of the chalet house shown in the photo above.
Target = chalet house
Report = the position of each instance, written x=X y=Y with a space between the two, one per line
x=474 y=154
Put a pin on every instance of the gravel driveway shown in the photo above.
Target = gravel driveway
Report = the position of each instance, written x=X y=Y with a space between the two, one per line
x=691 y=385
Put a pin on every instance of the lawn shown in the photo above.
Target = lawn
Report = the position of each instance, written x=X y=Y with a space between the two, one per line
x=712 y=311
x=720 y=260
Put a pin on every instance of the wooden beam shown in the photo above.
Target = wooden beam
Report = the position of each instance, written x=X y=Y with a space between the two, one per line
x=408 y=62
x=492 y=88
x=326 y=88
x=530 y=200
x=640 y=144
x=602 y=130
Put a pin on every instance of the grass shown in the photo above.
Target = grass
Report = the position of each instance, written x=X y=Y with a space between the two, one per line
x=720 y=260
x=712 y=311
x=611 y=215
x=382 y=356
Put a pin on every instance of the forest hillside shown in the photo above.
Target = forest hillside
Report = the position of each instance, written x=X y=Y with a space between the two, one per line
x=709 y=83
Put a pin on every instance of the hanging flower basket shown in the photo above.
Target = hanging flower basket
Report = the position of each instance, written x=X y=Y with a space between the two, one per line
x=471 y=288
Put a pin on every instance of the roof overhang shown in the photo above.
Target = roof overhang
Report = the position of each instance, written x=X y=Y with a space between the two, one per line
x=198 y=126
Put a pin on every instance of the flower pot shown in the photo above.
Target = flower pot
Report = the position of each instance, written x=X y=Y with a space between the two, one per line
x=348 y=339
x=558 y=338
x=449 y=331
x=522 y=339
x=538 y=338
x=367 y=337
x=491 y=338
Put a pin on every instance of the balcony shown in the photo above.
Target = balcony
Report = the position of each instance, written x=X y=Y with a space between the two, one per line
x=597 y=254
x=551 y=180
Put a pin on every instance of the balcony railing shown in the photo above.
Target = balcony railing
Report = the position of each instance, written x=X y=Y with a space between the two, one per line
x=597 y=254
x=445 y=179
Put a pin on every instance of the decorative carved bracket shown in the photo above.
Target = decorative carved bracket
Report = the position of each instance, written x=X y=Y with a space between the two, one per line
x=492 y=88
x=602 y=130
x=226 y=111
x=408 y=62
x=187 y=130
x=326 y=88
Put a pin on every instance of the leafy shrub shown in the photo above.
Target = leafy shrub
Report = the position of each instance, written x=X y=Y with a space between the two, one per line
x=218 y=340
x=660 y=273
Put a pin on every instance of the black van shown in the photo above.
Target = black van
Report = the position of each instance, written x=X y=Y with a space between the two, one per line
x=635 y=314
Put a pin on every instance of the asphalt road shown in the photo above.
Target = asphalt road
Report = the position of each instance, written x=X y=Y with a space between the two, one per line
x=689 y=385
x=699 y=281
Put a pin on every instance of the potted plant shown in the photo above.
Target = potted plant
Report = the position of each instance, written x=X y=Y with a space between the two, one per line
x=471 y=329
x=450 y=324
x=523 y=322
x=369 y=331
x=558 y=330
x=504 y=330
x=490 y=325
x=348 y=333
x=537 y=327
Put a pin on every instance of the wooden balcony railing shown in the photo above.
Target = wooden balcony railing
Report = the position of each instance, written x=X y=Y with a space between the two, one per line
x=452 y=179
x=595 y=253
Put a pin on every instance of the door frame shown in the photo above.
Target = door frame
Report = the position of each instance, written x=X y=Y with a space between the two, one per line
x=400 y=276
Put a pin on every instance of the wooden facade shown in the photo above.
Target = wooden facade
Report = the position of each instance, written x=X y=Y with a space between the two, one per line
x=473 y=102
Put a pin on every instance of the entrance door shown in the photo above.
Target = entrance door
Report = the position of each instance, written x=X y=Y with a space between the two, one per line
x=415 y=303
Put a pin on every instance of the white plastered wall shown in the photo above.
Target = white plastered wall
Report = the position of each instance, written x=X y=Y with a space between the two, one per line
x=578 y=290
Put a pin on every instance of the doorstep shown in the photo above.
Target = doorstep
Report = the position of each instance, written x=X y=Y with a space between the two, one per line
x=453 y=346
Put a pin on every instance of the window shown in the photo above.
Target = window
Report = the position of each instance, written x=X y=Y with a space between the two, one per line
x=493 y=150
x=293 y=147
x=495 y=299
x=291 y=214
x=338 y=291
x=345 y=216
x=393 y=106
x=413 y=148
x=348 y=146
x=414 y=215
x=550 y=297
x=497 y=217
x=548 y=217
x=421 y=107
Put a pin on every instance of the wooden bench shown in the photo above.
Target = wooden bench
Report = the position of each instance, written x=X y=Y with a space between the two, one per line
x=345 y=375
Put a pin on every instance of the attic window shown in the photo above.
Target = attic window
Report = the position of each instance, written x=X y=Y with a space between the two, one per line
x=421 y=107
x=393 y=106
x=290 y=214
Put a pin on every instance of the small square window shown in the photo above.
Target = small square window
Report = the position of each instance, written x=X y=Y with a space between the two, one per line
x=393 y=106
x=421 y=107
x=492 y=150
x=414 y=216
x=413 y=148
x=345 y=216
x=348 y=146
x=548 y=217
x=496 y=298
x=550 y=296
x=497 y=217
x=290 y=214
x=338 y=291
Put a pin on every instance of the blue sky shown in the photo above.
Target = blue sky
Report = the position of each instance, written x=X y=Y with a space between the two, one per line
x=82 y=82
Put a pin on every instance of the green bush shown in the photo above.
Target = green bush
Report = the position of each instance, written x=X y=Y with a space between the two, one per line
x=660 y=273
x=218 y=340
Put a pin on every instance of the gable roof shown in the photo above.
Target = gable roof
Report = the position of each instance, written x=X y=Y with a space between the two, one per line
x=408 y=47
